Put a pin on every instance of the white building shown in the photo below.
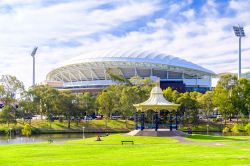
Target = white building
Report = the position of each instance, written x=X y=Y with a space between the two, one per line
x=89 y=70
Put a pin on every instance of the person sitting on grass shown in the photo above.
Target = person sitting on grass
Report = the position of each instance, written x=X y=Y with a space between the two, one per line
x=98 y=138
x=189 y=130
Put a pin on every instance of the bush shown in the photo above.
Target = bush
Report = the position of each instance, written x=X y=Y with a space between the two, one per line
x=26 y=130
x=35 y=131
x=226 y=130
x=236 y=128
x=247 y=128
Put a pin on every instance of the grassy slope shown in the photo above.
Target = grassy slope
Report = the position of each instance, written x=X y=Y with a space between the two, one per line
x=146 y=151
x=91 y=126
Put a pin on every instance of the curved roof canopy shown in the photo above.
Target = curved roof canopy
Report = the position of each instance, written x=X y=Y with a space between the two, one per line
x=134 y=56
x=156 y=102
x=92 y=65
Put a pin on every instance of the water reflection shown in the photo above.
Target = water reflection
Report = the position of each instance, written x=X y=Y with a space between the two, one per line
x=4 y=139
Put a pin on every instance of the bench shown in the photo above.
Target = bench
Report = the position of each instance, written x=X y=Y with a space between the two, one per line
x=132 y=142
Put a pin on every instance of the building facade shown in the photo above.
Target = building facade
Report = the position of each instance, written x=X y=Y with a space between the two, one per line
x=88 y=72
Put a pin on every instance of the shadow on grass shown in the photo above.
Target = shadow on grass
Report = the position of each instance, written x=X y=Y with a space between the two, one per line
x=212 y=138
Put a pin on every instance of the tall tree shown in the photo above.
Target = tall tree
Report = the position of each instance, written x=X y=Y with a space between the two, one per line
x=223 y=95
x=129 y=96
x=241 y=96
x=206 y=103
x=106 y=101
x=86 y=102
x=67 y=106
x=10 y=88
x=45 y=99
x=189 y=105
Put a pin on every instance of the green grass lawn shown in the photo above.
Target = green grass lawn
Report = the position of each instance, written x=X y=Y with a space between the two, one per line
x=146 y=151
x=211 y=138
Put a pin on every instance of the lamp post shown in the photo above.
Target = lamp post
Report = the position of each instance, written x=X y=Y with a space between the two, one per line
x=33 y=56
x=239 y=32
x=207 y=128
x=9 y=135
x=83 y=136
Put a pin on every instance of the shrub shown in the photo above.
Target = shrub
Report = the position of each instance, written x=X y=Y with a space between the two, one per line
x=226 y=130
x=35 y=131
x=26 y=130
x=247 y=128
x=236 y=128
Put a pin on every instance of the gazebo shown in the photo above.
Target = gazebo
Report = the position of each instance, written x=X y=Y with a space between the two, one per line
x=156 y=103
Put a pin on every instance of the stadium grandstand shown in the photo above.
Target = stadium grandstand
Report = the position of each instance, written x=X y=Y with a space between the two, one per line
x=88 y=72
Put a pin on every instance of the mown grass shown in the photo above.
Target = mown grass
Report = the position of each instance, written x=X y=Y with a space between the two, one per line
x=212 y=138
x=146 y=151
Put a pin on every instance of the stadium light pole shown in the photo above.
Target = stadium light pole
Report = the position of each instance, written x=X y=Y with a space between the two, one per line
x=33 y=56
x=239 y=32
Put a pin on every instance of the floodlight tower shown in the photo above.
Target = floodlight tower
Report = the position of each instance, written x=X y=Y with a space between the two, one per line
x=33 y=56
x=239 y=32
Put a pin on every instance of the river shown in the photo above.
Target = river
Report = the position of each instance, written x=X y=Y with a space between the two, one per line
x=6 y=139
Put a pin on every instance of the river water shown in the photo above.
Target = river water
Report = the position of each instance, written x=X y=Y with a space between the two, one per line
x=6 y=139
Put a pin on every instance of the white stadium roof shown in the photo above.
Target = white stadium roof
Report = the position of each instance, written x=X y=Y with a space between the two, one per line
x=134 y=56
x=92 y=66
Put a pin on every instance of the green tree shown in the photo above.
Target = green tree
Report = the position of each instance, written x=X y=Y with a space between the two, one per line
x=222 y=95
x=7 y=115
x=45 y=99
x=106 y=101
x=67 y=106
x=241 y=96
x=189 y=106
x=206 y=103
x=129 y=96
x=26 y=107
x=9 y=89
x=171 y=95
x=86 y=102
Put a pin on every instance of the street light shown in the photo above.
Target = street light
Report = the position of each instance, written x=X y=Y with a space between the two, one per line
x=239 y=32
x=33 y=56
x=83 y=136
x=207 y=128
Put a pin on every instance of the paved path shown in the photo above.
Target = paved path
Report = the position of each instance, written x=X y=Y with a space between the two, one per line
x=182 y=140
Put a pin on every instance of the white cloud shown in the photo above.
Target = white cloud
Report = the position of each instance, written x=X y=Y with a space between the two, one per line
x=30 y=23
x=204 y=38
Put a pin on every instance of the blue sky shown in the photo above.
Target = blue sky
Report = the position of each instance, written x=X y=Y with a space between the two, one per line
x=197 y=30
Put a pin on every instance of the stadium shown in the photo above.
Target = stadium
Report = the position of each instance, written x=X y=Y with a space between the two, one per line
x=88 y=72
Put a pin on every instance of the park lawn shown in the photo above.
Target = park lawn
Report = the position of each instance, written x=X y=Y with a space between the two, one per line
x=115 y=139
x=212 y=138
x=146 y=151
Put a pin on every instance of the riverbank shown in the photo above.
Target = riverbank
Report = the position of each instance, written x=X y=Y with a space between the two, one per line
x=93 y=126
x=90 y=126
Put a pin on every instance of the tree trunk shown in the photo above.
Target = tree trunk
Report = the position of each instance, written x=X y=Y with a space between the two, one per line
x=248 y=115
x=68 y=123
x=106 y=123
x=126 y=122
